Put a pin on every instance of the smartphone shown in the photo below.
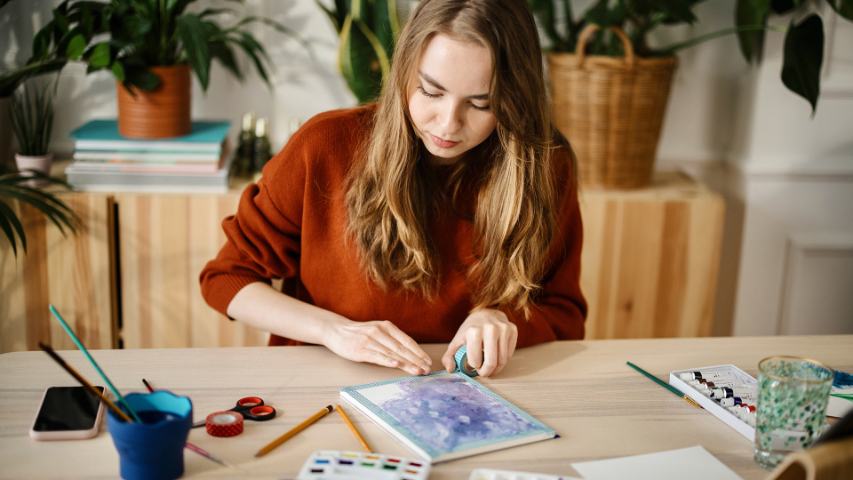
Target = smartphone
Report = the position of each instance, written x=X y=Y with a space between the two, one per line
x=68 y=413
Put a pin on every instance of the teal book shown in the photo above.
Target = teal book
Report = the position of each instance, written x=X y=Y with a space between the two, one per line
x=102 y=134
x=443 y=416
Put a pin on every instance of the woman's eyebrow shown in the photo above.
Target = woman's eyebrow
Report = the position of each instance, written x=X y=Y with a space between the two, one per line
x=434 y=83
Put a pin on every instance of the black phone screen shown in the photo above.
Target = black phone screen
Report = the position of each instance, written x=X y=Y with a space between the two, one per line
x=67 y=408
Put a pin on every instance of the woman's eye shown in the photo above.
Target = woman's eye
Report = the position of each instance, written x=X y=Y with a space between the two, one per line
x=427 y=94
x=480 y=107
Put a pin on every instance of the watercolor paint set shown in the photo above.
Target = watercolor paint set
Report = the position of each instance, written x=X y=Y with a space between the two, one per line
x=725 y=391
x=342 y=465
x=488 y=474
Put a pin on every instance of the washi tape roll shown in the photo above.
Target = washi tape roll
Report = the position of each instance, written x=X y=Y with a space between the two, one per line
x=462 y=362
x=224 y=424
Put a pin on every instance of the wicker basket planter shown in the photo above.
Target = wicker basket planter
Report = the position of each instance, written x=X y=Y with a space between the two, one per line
x=611 y=109
x=163 y=112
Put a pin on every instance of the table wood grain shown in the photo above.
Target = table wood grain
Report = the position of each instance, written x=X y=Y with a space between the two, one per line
x=583 y=389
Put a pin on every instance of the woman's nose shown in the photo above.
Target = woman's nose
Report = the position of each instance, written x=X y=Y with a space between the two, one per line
x=450 y=120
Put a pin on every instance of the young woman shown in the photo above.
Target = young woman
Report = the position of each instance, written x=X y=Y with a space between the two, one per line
x=445 y=213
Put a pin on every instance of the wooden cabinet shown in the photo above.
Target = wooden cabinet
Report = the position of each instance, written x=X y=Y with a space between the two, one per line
x=650 y=259
x=649 y=268
x=164 y=241
x=74 y=273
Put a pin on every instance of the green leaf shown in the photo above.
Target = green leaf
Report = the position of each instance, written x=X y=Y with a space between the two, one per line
x=99 y=57
x=42 y=40
x=333 y=16
x=782 y=7
x=383 y=24
x=843 y=8
x=803 y=58
x=222 y=52
x=76 y=47
x=250 y=48
x=751 y=12
x=10 y=225
x=359 y=61
x=140 y=77
x=191 y=31
x=544 y=12
x=118 y=71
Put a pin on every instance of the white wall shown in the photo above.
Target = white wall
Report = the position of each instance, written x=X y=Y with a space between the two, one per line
x=788 y=178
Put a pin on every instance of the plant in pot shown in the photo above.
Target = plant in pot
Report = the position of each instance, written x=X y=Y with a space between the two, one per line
x=32 y=121
x=599 y=57
x=32 y=114
x=609 y=86
x=367 y=31
x=150 y=47
x=10 y=79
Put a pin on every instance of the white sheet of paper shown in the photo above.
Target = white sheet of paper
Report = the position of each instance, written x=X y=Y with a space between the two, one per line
x=694 y=463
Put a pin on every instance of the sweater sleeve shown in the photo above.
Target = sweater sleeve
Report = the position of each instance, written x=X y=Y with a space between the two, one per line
x=559 y=309
x=263 y=237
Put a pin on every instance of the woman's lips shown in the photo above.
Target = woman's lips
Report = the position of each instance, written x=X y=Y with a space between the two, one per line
x=442 y=143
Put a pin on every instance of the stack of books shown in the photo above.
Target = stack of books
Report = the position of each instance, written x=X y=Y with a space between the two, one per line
x=106 y=161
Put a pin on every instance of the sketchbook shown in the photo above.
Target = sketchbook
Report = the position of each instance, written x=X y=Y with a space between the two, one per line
x=443 y=416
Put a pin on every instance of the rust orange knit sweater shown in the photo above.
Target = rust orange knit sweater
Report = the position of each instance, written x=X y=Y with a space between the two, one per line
x=292 y=223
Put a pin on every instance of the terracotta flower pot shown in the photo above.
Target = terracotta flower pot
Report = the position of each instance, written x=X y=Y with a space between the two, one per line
x=163 y=112
x=39 y=163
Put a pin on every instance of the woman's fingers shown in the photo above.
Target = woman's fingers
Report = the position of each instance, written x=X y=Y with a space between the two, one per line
x=474 y=343
x=384 y=338
x=491 y=352
x=449 y=357
x=399 y=341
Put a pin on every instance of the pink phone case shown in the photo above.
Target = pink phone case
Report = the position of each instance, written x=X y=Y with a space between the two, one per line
x=67 y=434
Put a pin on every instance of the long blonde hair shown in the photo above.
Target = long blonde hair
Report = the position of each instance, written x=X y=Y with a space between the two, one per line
x=390 y=197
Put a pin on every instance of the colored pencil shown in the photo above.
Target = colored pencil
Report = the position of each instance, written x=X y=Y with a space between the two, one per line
x=68 y=368
x=293 y=431
x=665 y=385
x=191 y=446
x=83 y=349
x=352 y=428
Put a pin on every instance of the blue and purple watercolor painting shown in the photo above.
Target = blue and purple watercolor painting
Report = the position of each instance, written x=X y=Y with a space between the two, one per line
x=444 y=413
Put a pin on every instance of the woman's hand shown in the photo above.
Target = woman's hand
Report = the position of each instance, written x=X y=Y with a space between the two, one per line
x=379 y=342
x=490 y=338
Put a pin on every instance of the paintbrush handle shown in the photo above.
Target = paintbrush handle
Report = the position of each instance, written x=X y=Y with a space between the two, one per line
x=55 y=356
x=83 y=349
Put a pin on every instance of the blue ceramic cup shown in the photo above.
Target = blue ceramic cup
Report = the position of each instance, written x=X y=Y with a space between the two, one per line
x=153 y=449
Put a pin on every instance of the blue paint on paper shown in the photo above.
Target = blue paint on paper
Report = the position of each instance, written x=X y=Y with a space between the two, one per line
x=447 y=412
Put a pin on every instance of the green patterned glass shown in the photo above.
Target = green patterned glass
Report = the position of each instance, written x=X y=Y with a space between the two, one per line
x=792 y=397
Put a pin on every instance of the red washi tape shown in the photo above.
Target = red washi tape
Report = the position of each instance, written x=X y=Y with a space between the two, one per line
x=224 y=424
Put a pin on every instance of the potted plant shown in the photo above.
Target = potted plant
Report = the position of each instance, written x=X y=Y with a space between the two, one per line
x=599 y=57
x=609 y=87
x=367 y=31
x=32 y=121
x=150 y=47
x=10 y=79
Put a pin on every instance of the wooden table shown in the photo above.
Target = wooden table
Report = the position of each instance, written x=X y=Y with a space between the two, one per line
x=584 y=390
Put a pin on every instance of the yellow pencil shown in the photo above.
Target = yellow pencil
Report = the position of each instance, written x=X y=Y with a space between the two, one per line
x=293 y=431
x=352 y=428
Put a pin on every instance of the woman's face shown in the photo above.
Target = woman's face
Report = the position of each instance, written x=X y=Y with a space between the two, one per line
x=449 y=104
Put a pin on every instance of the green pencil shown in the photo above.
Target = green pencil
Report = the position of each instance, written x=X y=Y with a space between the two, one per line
x=665 y=385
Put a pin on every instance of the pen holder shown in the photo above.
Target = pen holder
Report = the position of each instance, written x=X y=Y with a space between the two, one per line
x=153 y=449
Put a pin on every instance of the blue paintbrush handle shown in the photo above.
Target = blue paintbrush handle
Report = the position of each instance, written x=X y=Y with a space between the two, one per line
x=103 y=375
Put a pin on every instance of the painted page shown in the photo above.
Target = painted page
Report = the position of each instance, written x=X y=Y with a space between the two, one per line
x=445 y=415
